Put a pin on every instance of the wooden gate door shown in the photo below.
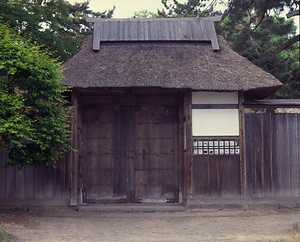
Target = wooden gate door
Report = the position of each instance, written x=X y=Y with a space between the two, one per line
x=103 y=171
x=156 y=154
x=130 y=154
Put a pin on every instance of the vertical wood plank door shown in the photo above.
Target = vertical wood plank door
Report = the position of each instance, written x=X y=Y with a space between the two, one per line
x=156 y=154
x=129 y=154
x=102 y=168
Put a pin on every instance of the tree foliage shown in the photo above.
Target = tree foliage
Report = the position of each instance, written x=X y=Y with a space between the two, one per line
x=190 y=8
x=257 y=31
x=56 y=25
x=144 y=14
x=33 y=121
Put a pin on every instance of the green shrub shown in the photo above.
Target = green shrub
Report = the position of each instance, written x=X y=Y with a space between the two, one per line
x=33 y=120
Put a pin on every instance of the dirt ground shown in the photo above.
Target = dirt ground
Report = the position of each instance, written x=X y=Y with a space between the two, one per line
x=194 y=225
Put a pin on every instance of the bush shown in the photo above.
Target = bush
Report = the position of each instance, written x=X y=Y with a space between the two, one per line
x=33 y=120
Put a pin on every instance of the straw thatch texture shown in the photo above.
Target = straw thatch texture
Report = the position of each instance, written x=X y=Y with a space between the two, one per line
x=181 y=65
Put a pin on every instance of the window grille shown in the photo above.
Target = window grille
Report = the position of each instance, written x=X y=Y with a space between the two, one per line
x=216 y=146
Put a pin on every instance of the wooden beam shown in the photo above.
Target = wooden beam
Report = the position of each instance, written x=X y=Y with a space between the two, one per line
x=104 y=100
x=181 y=134
x=243 y=170
x=94 y=20
x=213 y=35
x=188 y=153
x=215 y=106
x=74 y=154
x=96 y=36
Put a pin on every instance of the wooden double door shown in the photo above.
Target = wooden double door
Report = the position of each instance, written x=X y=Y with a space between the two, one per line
x=129 y=154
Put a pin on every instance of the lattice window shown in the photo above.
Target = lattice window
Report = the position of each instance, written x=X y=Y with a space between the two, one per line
x=216 y=146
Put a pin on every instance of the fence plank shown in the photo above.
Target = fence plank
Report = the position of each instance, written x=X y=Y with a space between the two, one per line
x=29 y=182
x=58 y=182
x=3 y=159
x=273 y=154
x=267 y=155
x=257 y=159
x=39 y=183
x=294 y=155
x=276 y=160
x=283 y=155
x=48 y=183
x=20 y=192
x=249 y=153
x=10 y=184
x=65 y=186
x=213 y=178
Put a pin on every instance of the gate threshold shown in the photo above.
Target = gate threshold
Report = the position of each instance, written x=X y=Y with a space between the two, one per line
x=153 y=207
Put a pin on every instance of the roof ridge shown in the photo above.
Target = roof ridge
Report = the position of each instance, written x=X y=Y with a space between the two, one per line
x=160 y=29
x=211 y=18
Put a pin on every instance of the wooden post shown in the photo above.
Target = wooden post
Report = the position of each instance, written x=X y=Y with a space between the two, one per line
x=181 y=144
x=74 y=154
x=188 y=155
x=243 y=167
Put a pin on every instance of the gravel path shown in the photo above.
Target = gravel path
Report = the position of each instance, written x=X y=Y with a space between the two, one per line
x=195 y=225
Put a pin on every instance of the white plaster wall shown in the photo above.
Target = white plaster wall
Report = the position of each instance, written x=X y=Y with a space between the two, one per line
x=215 y=98
x=215 y=122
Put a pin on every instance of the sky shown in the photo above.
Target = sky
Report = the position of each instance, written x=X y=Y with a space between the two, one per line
x=124 y=8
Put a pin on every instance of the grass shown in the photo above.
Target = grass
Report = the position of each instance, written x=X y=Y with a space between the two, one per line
x=5 y=236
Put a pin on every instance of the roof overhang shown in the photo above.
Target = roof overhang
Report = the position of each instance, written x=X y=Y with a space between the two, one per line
x=273 y=103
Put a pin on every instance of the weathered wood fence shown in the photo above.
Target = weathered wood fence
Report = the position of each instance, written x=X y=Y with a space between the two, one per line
x=272 y=168
x=273 y=155
x=34 y=186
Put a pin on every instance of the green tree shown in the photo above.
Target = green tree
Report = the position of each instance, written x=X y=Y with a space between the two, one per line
x=144 y=14
x=33 y=120
x=256 y=30
x=56 y=25
x=190 y=8
x=293 y=13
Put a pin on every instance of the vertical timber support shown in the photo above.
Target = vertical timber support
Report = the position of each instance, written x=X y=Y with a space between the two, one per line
x=181 y=154
x=243 y=167
x=74 y=154
x=188 y=155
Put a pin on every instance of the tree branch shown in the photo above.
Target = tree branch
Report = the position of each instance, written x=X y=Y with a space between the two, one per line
x=291 y=41
x=264 y=11
x=261 y=19
x=293 y=13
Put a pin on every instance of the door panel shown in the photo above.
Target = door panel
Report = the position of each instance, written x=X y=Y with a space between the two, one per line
x=156 y=154
x=102 y=169
x=130 y=154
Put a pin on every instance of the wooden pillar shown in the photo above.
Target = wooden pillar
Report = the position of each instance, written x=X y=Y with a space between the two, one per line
x=243 y=167
x=188 y=155
x=74 y=153
x=181 y=138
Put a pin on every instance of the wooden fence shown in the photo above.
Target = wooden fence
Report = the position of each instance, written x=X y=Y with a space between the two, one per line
x=273 y=155
x=216 y=167
x=272 y=168
x=272 y=162
x=34 y=186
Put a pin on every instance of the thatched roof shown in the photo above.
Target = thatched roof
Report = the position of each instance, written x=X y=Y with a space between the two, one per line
x=180 y=65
